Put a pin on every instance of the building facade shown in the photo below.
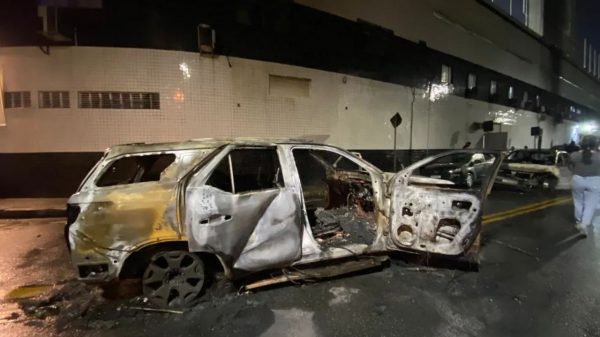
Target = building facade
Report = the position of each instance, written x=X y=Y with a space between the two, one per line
x=330 y=71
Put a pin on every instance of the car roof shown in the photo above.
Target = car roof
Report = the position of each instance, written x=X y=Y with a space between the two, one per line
x=202 y=143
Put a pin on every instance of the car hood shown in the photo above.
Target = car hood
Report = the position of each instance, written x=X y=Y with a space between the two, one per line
x=533 y=168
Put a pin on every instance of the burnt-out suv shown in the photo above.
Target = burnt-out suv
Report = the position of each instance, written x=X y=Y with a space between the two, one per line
x=172 y=214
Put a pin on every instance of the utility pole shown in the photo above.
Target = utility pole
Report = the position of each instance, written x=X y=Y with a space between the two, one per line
x=412 y=122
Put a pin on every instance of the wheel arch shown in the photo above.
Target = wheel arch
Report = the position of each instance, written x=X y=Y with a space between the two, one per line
x=136 y=262
x=550 y=178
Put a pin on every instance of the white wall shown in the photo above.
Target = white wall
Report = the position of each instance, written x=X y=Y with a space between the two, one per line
x=223 y=101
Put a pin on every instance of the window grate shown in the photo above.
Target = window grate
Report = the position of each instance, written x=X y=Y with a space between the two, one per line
x=118 y=100
x=54 y=99
x=17 y=99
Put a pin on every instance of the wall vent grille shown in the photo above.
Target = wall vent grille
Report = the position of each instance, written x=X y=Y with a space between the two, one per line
x=17 y=99
x=118 y=100
x=54 y=99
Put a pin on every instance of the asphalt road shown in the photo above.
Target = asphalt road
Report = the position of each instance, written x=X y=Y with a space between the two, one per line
x=537 y=278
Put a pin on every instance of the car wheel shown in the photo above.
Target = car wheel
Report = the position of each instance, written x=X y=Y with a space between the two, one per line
x=469 y=180
x=173 y=279
x=548 y=184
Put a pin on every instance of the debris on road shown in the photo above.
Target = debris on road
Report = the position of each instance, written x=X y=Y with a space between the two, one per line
x=517 y=249
x=342 y=295
x=67 y=302
x=102 y=324
x=27 y=292
x=12 y=316
x=424 y=269
x=320 y=271
x=168 y=311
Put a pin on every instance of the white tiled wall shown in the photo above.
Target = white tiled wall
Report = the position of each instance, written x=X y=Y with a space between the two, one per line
x=212 y=99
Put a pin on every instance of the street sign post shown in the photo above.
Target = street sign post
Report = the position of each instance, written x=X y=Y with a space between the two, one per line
x=396 y=120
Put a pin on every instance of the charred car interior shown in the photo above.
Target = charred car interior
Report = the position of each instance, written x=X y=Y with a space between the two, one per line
x=174 y=214
x=338 y=197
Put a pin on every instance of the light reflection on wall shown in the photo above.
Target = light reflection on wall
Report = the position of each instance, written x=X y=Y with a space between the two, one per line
x=435 y=91
x=505 y=117
x=575 y=133
x=179 y=96
x=588 y=128
x=185 y=70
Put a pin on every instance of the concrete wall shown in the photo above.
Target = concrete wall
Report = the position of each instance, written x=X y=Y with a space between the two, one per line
x=213 y=99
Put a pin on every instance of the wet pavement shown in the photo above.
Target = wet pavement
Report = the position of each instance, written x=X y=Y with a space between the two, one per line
x=537 y=278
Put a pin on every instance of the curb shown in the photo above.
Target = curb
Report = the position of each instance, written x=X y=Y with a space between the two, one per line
x=32 y=213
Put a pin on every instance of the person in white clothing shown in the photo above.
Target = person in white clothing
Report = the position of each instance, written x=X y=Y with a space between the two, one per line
x=585 y=165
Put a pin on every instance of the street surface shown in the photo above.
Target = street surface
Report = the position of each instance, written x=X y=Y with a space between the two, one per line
x=537 y=277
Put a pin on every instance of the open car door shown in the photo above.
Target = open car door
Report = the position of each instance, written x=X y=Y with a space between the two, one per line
x=437 y=203
x=239 y=208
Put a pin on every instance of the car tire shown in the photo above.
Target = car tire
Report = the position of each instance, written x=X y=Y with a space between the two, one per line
x=548 y=183
x=174 y=279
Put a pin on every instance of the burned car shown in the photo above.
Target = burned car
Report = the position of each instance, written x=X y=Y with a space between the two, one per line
x=173 y=214
x=544 y=169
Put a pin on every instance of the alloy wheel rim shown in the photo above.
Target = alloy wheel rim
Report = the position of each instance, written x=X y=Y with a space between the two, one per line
x=173 y=279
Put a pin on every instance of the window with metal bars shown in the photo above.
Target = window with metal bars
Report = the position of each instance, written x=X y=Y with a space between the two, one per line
x=54 y=99
x=17 y=99
x=118 y=100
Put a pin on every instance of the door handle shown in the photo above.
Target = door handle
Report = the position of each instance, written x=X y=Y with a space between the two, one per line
x=215 y=217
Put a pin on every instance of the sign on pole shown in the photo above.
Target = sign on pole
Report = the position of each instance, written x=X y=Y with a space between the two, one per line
x=396 y=120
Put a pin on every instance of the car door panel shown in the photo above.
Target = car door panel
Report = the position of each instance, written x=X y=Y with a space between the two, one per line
x=250 y=231
x=438 y=215
x=432 y=220
x=277 y=237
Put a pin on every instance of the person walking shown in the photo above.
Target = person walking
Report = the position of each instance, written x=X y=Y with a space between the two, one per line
x=585 y=166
